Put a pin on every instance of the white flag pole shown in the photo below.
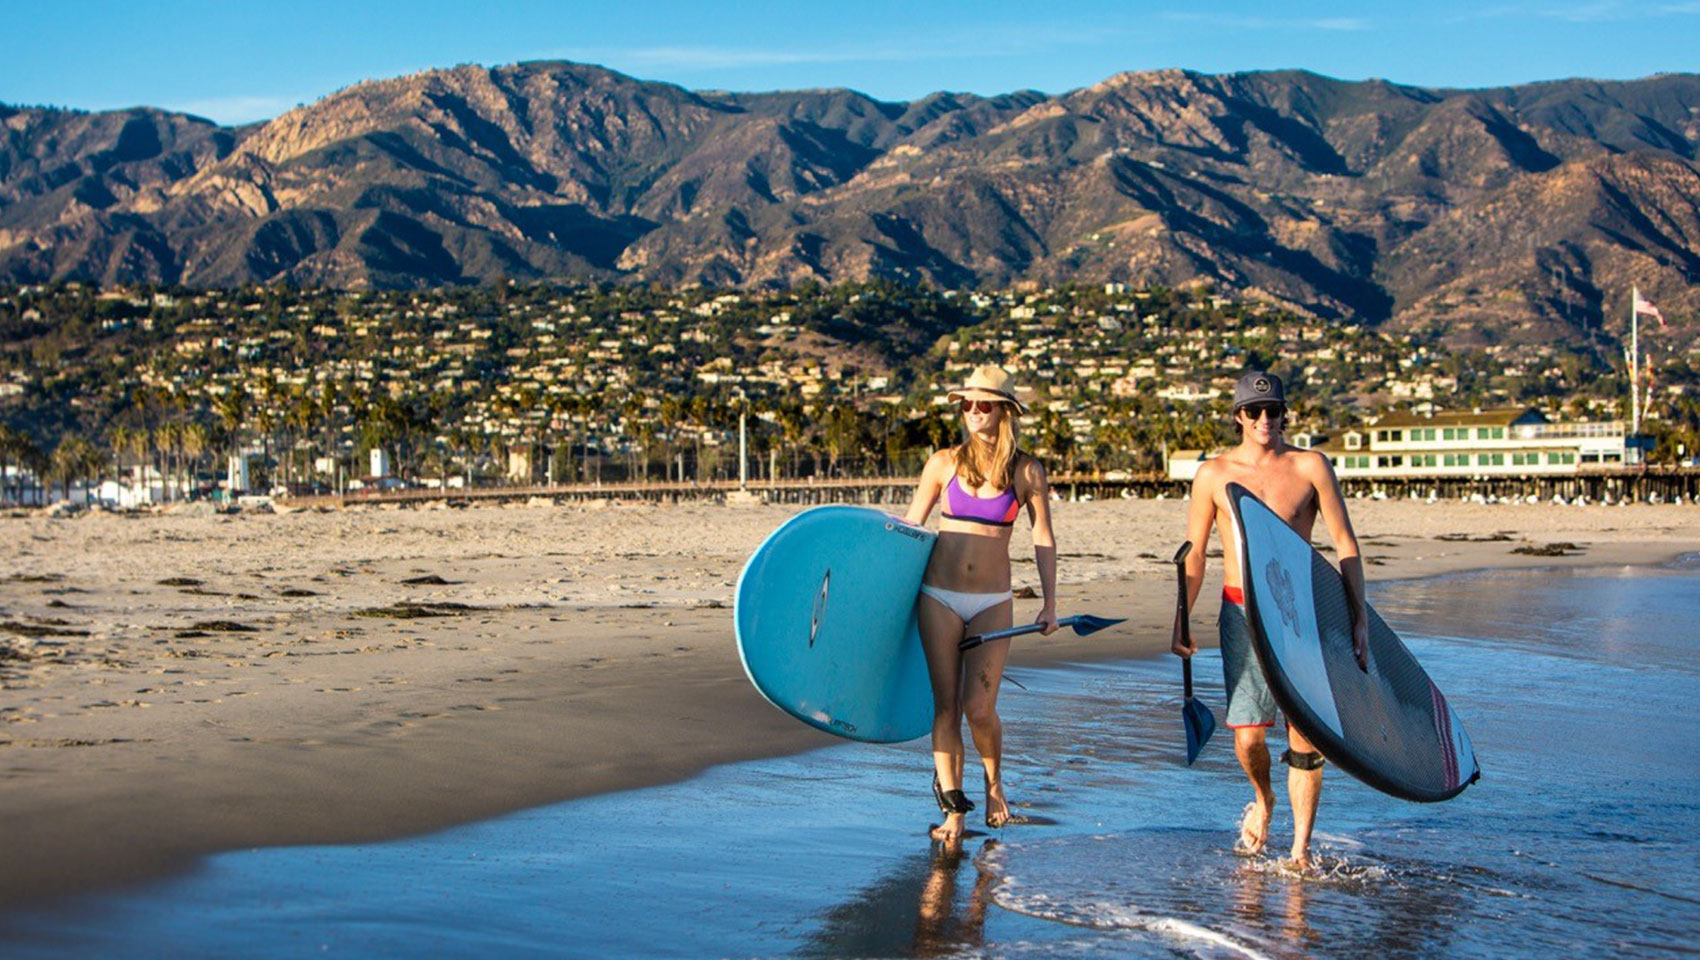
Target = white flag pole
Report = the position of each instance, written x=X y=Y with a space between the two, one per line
x=1634 y=362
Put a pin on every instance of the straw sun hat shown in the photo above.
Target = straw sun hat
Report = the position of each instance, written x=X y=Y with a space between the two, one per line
x=989 y=382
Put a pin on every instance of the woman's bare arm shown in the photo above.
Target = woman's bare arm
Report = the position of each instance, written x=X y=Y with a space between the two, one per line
x=933 y=477
x=1044 y=540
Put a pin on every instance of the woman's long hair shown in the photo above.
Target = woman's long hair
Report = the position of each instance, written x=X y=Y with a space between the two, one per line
x=978 y=461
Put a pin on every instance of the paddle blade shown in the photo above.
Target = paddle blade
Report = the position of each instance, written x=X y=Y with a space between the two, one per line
x=1085 y=624
x=1200 y=724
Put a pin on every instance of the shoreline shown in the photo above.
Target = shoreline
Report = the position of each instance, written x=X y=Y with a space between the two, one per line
x=156 y=737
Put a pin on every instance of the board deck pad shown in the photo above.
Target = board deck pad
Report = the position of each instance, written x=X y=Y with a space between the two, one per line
x=1390 y=727
x=825 y=621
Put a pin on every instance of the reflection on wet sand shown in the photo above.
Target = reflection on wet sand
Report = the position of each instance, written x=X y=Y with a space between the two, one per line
x=1249 y=892
x=1405 y=909
x=926 y=907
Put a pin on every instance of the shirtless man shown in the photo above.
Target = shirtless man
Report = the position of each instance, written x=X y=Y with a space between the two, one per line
x=1298 y=485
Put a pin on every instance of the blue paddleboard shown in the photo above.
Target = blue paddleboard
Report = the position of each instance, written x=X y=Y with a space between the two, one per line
x=825 y=619
x=1390 y=727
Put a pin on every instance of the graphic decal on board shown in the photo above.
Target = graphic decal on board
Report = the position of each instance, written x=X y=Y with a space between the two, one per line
x=1281 y=586
x=819 y=613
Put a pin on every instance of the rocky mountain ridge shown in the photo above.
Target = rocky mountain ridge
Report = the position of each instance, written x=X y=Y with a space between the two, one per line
x=1515 y=213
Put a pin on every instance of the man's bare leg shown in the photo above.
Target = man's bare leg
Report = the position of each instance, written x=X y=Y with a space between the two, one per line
x=1304 y=791
x=1252 y=749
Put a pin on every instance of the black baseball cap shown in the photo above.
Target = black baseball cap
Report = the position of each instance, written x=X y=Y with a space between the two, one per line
x=1258 y=386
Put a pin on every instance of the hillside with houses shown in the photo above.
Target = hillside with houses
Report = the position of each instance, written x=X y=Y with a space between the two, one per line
x=168 y=389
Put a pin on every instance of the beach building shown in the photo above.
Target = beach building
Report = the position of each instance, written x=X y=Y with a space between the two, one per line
x=1184 y=464
x=520 y=463
x=1498 y=442
x=20 y=487
x=237 y=473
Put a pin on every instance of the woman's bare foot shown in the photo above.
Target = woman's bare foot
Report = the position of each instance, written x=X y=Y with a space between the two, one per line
x=950 y=831
x=997 y=805
x=1254 y=829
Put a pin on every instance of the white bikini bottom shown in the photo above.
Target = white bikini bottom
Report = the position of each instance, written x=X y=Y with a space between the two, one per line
x=967 y=606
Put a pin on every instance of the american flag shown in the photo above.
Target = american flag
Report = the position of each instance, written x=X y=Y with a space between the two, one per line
x=1646 y=308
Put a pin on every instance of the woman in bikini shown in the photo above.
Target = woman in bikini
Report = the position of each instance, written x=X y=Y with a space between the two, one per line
x=984 y=482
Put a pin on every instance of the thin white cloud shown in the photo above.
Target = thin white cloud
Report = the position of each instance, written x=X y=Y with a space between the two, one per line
x=1268 y=23
x=1592 y=12
x=984 y=42
x=231 y=111
x=1600 y=11
x=718 y=58
x=1487 y=13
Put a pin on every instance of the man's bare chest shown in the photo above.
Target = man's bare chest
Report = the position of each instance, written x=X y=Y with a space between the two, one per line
x=1289 y=495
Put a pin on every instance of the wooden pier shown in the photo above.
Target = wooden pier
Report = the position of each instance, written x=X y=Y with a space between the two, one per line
x=1653 y=484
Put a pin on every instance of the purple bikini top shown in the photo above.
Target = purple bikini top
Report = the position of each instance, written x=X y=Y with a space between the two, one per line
x=998 y=511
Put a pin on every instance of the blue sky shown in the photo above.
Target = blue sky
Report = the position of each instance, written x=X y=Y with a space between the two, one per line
x=243 y=61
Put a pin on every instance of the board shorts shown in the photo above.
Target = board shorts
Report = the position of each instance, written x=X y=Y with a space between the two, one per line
x=1250 y=704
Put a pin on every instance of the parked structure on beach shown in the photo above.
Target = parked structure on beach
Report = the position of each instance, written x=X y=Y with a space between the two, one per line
x=1497 y=442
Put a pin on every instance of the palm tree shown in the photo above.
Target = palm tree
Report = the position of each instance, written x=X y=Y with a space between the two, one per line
x=118 y=441
x=1057 y=439
x=232 y=411
x=167 y=441
x=437 y=461
x=195 y=443
x=33 y=459
x=265 y=421
x=671 y=412
x=71 y=461
x=792 y=428
x=139 y=444
x=92 y=462
x=328 y=401
x=843 y=433
x=11 y=451
x=302 y=410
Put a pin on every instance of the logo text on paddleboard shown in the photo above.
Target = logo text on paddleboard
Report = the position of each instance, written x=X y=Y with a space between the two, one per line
x=1281 y=589
x=904 y=528
x=819 y=613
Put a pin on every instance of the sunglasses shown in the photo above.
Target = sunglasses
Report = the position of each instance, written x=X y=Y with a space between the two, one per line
x=1256 y=411
x=979 y=406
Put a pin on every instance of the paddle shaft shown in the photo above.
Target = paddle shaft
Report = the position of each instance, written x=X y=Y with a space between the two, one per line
x=1181 y=612
x=979 y=638
x=1083 y=624
x=1196 y=718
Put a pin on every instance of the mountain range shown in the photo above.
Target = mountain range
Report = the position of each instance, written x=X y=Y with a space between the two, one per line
x=1518 y=214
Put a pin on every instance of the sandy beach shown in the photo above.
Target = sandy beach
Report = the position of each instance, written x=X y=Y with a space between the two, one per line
x=178 y=684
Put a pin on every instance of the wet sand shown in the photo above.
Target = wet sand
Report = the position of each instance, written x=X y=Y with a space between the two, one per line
x=175 y=685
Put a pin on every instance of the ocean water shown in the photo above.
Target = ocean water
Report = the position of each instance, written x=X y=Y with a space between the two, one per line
x=1582 y=838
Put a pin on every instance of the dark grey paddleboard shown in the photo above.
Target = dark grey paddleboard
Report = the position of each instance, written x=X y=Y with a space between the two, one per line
x=1391 y=727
